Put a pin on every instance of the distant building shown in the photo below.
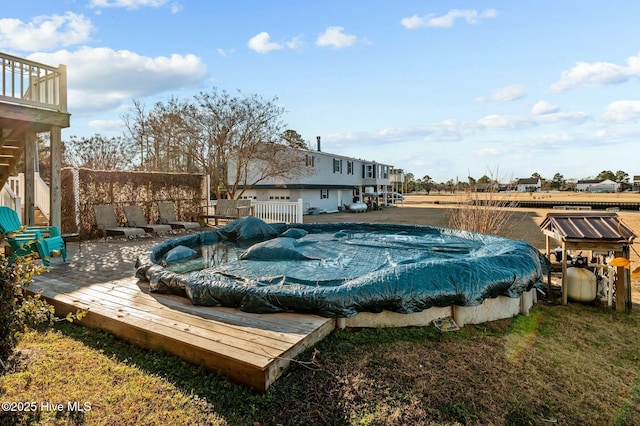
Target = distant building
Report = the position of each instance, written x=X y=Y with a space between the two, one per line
x=636 y=183
x=335 y=181
x=596 y=185
x=528 y=185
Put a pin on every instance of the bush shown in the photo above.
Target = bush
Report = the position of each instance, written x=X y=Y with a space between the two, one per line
x=485 y=212
x=18 y=309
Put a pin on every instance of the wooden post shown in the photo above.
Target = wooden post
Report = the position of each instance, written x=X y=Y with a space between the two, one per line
x=62 y=90
x=621 y=291
x=627 y=279
x=564 y=274
x=29 y=178
x=56 y=176
x=547 y=241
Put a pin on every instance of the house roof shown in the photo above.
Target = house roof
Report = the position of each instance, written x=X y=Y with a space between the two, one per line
x=299 y=186
x=528 y=181
x=589 y=181
x=597 y=181
x=338 y=156
x=605 y=226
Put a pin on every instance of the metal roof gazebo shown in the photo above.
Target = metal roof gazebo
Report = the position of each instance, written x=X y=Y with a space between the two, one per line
x=597 y=231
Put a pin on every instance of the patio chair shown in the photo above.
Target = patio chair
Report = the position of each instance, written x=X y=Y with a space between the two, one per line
x=167 y=214
x=135 y=219
x=107 y=222
x=26 y=240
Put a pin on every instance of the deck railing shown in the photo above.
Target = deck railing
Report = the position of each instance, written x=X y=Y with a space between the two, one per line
x=30 y=83
x=275 y=211
x=10 y=199
x=279 y=211
x=13 y=194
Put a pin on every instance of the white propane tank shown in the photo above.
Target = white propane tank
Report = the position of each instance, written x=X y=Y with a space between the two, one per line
x=581 y=285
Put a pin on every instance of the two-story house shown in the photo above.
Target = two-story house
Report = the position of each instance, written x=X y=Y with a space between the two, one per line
x=528 y=185
x=333 y=182
x=597 y=185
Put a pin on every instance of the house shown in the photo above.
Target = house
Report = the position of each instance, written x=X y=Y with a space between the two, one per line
x=596 y=185
x=33 y=101
x=334 y=181
x=528 y=185
x=636 y=183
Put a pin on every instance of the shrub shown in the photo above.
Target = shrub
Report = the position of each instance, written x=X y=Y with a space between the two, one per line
x=485 y=212
x=18 y=309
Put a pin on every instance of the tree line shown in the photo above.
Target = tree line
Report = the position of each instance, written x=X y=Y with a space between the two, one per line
x=557 y=182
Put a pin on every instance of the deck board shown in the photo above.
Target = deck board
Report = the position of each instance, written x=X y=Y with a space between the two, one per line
x=179 y=325
x=251 y=349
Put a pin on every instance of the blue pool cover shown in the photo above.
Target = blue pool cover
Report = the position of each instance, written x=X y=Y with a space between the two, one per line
x=338 y=270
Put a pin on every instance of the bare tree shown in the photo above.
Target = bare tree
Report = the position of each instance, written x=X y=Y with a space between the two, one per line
x=100 y=153
x=235 y=139
x=239 y=141
x=163 y=137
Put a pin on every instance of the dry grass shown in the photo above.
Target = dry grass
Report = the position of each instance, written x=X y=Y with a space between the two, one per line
x=570 y=365
x=485 y=212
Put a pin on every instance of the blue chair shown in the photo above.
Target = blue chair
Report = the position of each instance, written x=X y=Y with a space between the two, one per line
x=27 y=240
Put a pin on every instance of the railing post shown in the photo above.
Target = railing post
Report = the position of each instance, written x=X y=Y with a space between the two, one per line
x=29 y=178
x=299 y=208
x=62 y=87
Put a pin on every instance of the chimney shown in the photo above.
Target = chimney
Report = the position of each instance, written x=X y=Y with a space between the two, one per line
x=318 y=139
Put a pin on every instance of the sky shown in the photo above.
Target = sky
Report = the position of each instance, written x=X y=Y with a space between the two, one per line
x=440 y=88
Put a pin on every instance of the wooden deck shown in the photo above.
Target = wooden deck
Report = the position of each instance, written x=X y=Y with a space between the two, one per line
x=252 y=349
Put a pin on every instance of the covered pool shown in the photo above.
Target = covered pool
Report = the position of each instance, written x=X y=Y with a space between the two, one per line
x=341 y=269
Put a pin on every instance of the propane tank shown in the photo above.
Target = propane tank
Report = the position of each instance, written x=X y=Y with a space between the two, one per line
x=581 y=284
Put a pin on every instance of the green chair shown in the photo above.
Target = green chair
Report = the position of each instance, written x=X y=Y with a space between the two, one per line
x=26 y=240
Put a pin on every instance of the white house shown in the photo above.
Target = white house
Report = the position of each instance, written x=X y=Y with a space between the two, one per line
x=596 y=185
x=528 y=185
x=334 y=181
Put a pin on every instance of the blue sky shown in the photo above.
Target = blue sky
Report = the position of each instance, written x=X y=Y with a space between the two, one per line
x=436 y=87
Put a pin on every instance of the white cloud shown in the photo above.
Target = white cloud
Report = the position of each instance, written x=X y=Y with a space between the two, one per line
x=335 y=37
x=100 y=79
x=106 y=126
x=175 y=7
x=294 y=43
x=622 y=111
x=597 y=74
x=129 y=4
x=504 y=94
x=45 y=32
x=261 y=43
x=543 y=107
x=446 y=21
x=225 y=53
x=494 y=122
x=457 y=130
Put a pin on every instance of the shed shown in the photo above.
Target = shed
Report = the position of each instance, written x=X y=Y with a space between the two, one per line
x=601 y=231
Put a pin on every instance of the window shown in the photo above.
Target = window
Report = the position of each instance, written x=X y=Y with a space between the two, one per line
x=349 y=167
x=309 y=160
x=324 y=194
x=337 y=166
x=370 y=174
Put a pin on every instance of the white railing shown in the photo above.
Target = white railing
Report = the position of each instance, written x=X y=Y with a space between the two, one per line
x=279 y=211
x=31 y=83
x=271 y=211
x=42 y=196
x=10 y=199
x=13 y=194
